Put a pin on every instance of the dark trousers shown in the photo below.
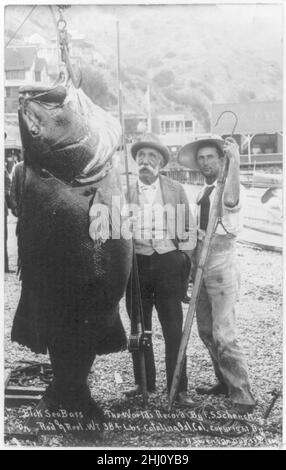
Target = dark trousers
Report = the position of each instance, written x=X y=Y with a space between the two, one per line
x=6 y=242
x=162 y=283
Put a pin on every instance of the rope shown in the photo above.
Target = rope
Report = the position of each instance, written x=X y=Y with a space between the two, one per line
x=22 y=24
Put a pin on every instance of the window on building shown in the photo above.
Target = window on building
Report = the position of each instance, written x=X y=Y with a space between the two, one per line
x=37 y=76
x=12 y=91
x=261 y=143
x=15 y=75
x=163 y=127
x=189 y=126
x=264 y=143
x=178 y=126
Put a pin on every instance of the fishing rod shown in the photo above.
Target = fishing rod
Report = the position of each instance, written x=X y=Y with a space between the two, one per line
x=21 y=25
x=139 y=339
x=214 y=220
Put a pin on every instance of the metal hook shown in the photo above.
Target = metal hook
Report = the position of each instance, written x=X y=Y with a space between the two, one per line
x=228 y=111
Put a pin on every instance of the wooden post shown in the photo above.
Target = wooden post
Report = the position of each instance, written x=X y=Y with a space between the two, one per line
x=120 y=111
x=249 y=149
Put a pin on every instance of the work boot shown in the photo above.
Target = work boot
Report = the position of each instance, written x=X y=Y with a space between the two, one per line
x=134 y=392
x=218 y=389
x=243 y=408
x=184 y=400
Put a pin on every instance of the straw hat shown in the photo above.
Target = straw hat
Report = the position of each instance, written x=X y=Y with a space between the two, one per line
x=187 y=154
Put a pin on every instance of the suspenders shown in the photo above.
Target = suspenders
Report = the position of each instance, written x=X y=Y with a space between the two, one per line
x=219 y=218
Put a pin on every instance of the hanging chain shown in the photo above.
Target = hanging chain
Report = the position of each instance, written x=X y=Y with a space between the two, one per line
x=63 y=36
x=65 y=49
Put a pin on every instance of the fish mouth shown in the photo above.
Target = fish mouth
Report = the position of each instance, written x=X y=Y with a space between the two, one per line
x=71 y=146
x=38 y=136
x=32 y=98
x=42 y=119
x=44 y=95
x=63 y=132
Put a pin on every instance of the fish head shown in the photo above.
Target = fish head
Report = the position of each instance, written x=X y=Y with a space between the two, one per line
x=61 y=131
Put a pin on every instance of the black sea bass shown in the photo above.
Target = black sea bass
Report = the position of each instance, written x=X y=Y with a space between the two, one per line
x=71 y=286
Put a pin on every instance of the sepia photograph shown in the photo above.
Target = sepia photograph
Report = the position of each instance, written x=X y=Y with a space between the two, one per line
x=143 y=227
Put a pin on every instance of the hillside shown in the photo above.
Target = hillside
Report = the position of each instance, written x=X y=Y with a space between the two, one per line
x=191 y=55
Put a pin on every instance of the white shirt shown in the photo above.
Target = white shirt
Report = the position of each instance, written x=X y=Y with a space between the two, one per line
x=153 y=236
x=232 y=217
x=149 y=190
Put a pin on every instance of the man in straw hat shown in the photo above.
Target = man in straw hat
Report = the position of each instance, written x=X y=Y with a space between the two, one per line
x=216 y=304
x=163 y=248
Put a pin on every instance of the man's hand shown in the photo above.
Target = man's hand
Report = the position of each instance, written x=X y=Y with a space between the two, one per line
x=231 y=150
x=189 y=253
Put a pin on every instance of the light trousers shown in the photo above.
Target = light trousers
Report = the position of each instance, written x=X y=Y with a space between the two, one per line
x=216 y=318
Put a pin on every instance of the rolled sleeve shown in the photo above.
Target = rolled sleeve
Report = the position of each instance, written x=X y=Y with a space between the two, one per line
x=233 y=209
x=233 y=216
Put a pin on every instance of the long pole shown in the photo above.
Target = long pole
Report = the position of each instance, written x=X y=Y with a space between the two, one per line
x=197 y=284
x=149 y=121
x=138 y=322
x=120 y=111
x=249 y=149
x=57 y=38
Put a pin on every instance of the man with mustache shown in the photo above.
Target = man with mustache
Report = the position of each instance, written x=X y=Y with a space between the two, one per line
x=163 y=241
x=216 y=304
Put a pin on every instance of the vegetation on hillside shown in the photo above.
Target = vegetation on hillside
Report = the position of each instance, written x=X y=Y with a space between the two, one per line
x=191 y=55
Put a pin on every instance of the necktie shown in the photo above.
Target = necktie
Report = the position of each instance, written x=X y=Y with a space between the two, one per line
x=204 y=202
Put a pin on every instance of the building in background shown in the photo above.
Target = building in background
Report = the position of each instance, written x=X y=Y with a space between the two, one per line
x=175 y=129
x=36 y=61
x=166 y=123
x=135 y=125
x=258 y=131
x=22 y=66
x=82 y=50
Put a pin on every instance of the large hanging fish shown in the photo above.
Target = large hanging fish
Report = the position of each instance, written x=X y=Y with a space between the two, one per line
x=71 y=286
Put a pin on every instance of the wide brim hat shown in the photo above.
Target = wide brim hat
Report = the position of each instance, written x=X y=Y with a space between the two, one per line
x=187 y=154
x=151 y=141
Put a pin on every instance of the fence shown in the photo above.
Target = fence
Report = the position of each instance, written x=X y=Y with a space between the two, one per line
x=184 y=176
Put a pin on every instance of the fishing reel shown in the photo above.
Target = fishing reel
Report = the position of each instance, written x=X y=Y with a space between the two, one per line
x=140 y=341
